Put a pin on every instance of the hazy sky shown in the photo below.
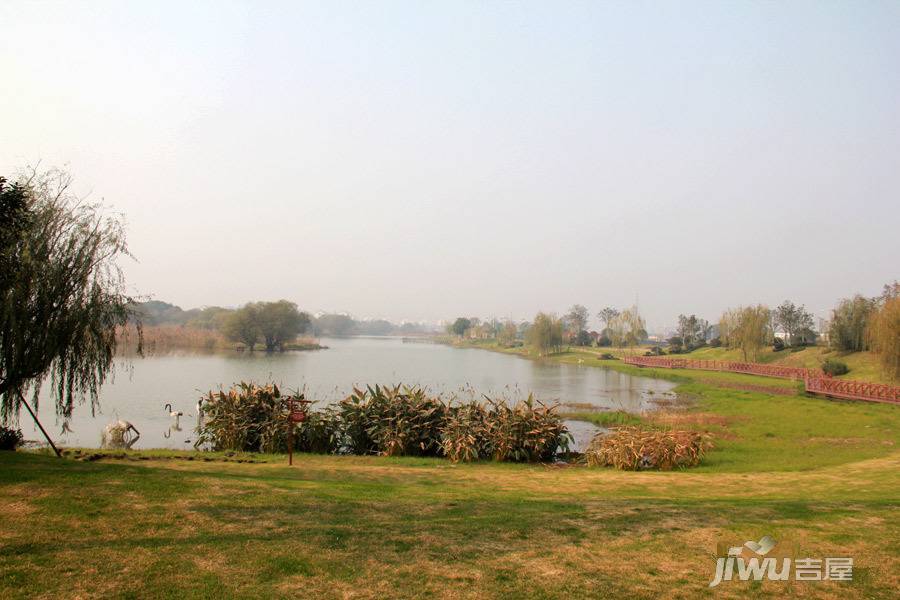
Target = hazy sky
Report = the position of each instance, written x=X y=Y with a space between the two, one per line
x=422 y=160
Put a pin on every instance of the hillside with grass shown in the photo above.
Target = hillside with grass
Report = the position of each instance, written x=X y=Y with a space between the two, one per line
x=863 y=365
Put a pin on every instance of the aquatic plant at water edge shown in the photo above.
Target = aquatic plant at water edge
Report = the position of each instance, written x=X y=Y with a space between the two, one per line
x=464 y=433
x=248 y=417
x=320 y=434
x=525 y=432
x=405 y=421
x=392 y=420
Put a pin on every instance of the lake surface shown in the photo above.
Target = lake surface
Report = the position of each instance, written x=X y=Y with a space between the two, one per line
x=140 y=390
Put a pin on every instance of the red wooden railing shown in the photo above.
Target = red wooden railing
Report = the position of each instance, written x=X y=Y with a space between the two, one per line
x=724 y=365
x=815 y=380
x=854 y=390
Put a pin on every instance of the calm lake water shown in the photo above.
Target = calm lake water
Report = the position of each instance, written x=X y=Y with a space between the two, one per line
x=140 y=391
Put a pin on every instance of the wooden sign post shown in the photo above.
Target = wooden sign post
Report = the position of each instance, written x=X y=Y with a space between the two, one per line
x=295 y=415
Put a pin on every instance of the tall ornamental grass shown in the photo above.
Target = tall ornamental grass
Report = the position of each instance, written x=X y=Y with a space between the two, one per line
x=386 y=420
x=248 y=417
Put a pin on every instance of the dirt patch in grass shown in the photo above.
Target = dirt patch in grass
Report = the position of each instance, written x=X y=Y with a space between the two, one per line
x=210 y=561
x=17 y=509
x=850 y=441
x=689 y=419
x=18 y=501
x=774 y=390
x=680 y=401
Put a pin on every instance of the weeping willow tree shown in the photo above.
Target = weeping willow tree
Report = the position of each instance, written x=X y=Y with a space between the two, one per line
x=747 y=328
x=546 y=334
x=62 y=294
x=627 y=329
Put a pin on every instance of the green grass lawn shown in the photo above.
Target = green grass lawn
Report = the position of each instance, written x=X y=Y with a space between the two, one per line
x=818 y=474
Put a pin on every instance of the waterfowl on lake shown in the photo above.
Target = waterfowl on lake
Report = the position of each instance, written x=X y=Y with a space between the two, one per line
x=175 y=414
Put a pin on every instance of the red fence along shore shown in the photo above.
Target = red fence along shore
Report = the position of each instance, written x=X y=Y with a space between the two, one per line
x=815 y=380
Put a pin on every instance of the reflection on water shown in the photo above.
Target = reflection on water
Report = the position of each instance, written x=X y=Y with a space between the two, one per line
x=139 y=394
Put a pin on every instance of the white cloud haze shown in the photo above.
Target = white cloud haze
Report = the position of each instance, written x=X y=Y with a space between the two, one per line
x=424 y=161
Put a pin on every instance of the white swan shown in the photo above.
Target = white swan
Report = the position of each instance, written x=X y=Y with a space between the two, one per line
x=175 y=414
x=200 y=413
x=119 y=434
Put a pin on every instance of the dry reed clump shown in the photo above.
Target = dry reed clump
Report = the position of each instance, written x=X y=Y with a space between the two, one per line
x=386 y=420
x=163 y=338
x=637 y=449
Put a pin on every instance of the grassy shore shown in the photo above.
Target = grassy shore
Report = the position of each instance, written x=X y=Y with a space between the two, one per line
x=817 y=474
x=864 y=366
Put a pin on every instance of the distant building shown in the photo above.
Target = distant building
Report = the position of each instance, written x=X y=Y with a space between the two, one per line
x=822 y=326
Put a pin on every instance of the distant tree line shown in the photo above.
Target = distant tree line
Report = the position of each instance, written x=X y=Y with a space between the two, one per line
x=272 y=324
x=337 y=325
x=156 y=312
x=549 y=334
x=857 y=324
x=861 y=323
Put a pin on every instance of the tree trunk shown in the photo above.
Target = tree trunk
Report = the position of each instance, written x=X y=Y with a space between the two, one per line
x=38 y=423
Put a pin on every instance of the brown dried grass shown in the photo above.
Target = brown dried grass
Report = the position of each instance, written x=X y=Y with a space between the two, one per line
x=636 y=449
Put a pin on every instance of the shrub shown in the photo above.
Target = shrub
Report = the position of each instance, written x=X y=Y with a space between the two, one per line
x=608 y=356
x=716 y=342
x=778 y=344
x=636 y=449
x=10 y=439
x=835 y=367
